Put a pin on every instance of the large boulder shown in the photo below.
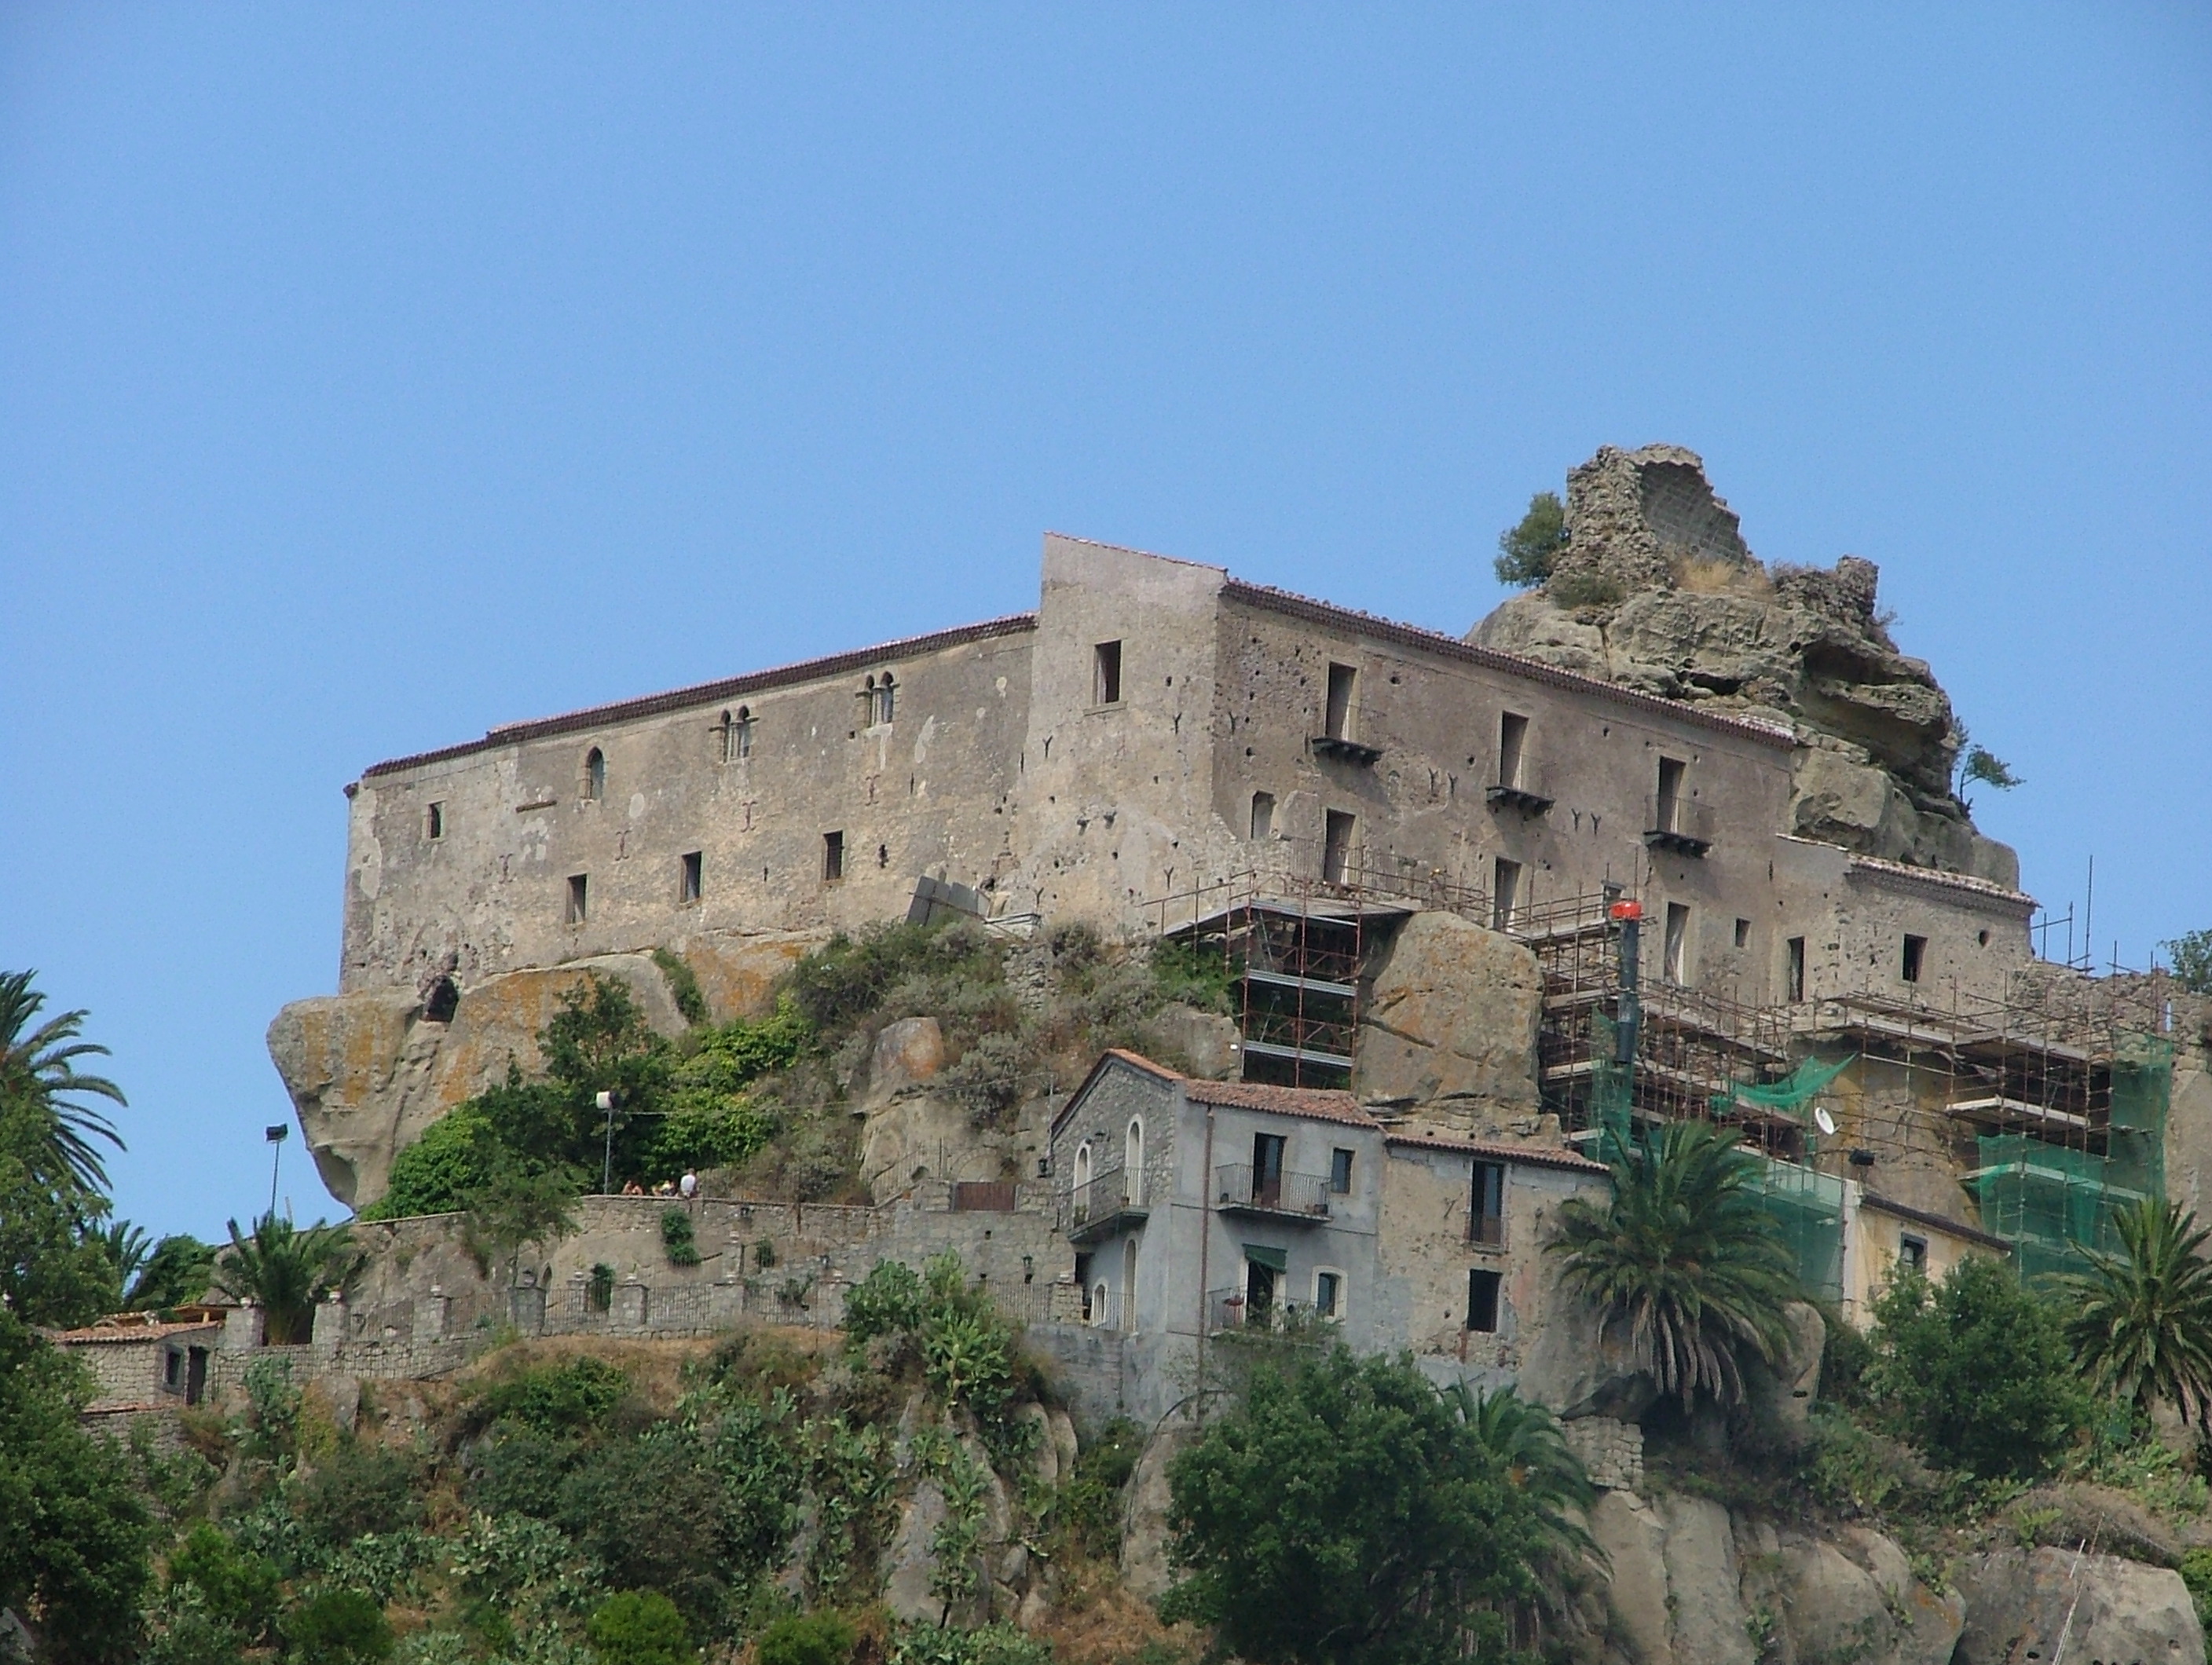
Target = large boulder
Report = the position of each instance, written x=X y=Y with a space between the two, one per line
x=2020 y=1602
x=1450 y=1023
x=1676 y=1574
x=1145 y=1567
x=736 y=974
x=368 y=1071
x=1656 y=591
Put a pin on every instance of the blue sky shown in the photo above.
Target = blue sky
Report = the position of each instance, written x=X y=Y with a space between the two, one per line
x=371 y=376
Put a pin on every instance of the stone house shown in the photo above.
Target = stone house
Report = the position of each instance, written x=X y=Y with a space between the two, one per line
x=143 y=1362
x=1198 y=1209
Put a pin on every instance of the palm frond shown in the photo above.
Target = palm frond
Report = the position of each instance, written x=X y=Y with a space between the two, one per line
x=37 y=1068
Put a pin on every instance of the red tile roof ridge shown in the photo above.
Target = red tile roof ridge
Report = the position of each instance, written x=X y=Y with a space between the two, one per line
x=126 y=1327
x=1536 y=1155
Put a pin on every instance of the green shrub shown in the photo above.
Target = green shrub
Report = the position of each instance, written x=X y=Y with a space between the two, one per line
x=677 y=1238
x=440 y=1171
x=1976 y=1371
x=638 y=1627
x=1527 y=549
x=1572 y=590
x=989 y=1078
x=234 y=1587
x=360 y=1488
x=720 y=1133
x=520 y=1471
x=682 y=985
x=573 y=1398
x=2196 y=1573
x=814 y=1638
x=1089 y=1502
x=600 y=1290
x=646 y=1509
x=338 y=1627
x=888 y=1301
x=945 y=1644
x=1192 y=973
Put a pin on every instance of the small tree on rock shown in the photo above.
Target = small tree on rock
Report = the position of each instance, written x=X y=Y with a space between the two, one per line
x=1526 y=552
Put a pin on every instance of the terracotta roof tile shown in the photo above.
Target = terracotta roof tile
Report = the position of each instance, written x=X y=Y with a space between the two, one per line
x=1528 y=1156
x=127 y=1327
x=1316 y=1103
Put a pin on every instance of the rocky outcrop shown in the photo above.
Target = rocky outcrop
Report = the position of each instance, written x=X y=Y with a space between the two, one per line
x=2019 y=1603
x=1144 y=1568
x=1450 y=1023
x=368 y=1071
x=1655 y=590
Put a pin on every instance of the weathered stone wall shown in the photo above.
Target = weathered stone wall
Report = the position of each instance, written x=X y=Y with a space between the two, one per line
x=929 y=791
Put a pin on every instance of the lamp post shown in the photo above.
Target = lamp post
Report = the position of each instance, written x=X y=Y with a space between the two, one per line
x=275 y=1136
x=606 y=1102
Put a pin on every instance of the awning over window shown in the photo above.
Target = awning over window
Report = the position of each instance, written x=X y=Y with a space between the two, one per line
x=1275 y=1260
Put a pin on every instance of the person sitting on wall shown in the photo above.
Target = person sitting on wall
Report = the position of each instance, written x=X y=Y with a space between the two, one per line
x=632 y=1188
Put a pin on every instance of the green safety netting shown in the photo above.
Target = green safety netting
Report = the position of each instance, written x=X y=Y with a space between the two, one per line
x=1808 y=1206
x=2051 y=1203
x=1787 y=1097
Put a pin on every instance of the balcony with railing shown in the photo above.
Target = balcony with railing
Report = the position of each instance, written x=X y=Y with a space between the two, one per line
x=1235 y=1309
x=1100 y=1206
x=1239 y=1189
x=1678 y=825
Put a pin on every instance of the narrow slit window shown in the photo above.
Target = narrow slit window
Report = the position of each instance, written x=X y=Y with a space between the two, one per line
x=1263 y=814
x=1512 y=741
x=1487 y=1207
x=580 y=898
x=595 y=773
x=1916 y=957
x=1106 y=673
x=1336 y=847
x=886 y=699
x=1667 y=810
x=1339 y=1172
x=1337 y=718
x=434 y=822
x=1743 y=934
x=1794 y=976
x=833 y=857
x=691 y=885
x=1678 y=943
x=742 y=736
x=1505 y=893
x=1482 y=1302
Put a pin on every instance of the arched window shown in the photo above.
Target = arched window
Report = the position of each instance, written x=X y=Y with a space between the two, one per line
x=1082 y=1169
x=595 y=773
x=1133 y=1162
x=736 y=729
x=1102 y=1309
x=886 y=698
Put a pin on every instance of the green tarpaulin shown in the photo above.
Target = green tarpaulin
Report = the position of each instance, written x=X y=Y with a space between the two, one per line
x=1275 y=1260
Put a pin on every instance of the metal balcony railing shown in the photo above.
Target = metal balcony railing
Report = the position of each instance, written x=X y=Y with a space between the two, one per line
x=1099 y=1205
x=1238 y=1189
x=1234 y=1309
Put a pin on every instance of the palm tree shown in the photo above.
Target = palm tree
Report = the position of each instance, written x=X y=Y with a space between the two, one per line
x=2141 y=1323
x=1527 y=1440
x=288 y=1271
x=127 y=1246
x=1685 y=1258
x=38 y=1067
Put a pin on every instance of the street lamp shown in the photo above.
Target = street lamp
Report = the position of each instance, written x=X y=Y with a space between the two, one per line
x=606 y=1102
x=275 y=1136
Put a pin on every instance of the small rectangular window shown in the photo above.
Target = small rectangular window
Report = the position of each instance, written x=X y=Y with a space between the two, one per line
x=434 y=823
x=1106 y=673
x=1337 y=719
x=1339 y=1172
x=1482 y=1301
x=1329 y=1288
x=1916 y=954
x=1743 y=934
x=1678 y=943
x=1913 y=1252
x=1793 y=980
x=580 y=898
x=1505 y=893
x=833 y=857
x=1487 y=1207
x=1263 y=814
x=1512 y=740
x=1336 y=847
x=172 y=1369
x=692 y=887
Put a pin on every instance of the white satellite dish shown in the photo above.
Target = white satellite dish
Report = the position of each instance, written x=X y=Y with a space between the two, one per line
x=1823 y=1120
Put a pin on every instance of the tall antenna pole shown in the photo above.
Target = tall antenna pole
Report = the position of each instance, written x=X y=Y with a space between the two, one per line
x=276 y=1135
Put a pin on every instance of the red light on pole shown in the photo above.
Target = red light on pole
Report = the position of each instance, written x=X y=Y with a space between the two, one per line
x=1627 y=910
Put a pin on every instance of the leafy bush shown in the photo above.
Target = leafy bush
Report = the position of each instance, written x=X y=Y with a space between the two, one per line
x=638 y=1627
x=1572 y=590
x=438 y=1173
x=888 y=1301
x=572 y=1398
x=682 y=985
x=2191 y=953
x=645 y=1510
x=1527 y=549
x=520 y=1471
x=677 y=1238
x=2197 y=1574
x=600 y=1290
x=361 y=1488
x=338 y=1627
x=814 y=1638
x=1976 y=1371
x=1089 y=1512
x=988 y=1078
x=235 y=1588
x=1193 y=974
x=945 y=1645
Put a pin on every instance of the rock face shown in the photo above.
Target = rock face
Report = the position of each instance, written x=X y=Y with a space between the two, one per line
x=1451 y=1021
x=2019 y=1601
x=1656 y=591
x=368 y=1071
